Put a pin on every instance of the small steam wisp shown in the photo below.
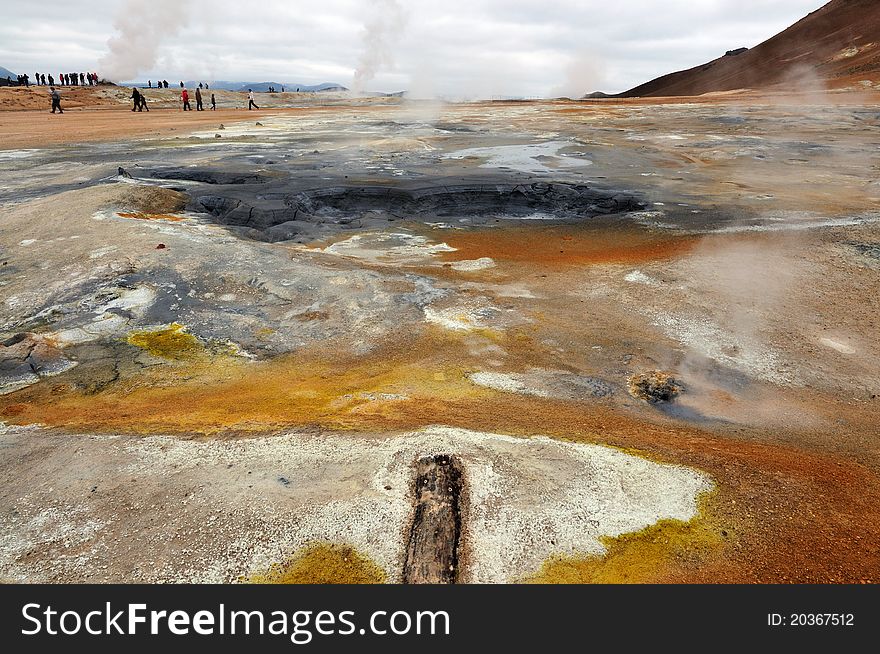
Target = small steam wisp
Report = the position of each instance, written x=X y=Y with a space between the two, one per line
x=383 y=27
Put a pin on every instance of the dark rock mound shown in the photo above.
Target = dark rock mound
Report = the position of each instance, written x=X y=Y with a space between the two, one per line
x=209 y=176
x=282 y=216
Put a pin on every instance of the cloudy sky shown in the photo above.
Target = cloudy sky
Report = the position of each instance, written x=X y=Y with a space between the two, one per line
x=446 y=48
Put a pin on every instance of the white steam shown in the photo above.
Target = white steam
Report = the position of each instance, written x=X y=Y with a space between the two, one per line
x=583 y=74
x=142 y=26
x=383 y=28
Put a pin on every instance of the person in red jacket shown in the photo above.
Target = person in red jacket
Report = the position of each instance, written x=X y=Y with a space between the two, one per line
x=185 y=97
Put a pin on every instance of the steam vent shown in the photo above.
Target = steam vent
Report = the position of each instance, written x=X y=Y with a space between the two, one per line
x=363 y=337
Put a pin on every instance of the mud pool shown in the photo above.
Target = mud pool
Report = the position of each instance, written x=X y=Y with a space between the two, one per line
x=227 y=349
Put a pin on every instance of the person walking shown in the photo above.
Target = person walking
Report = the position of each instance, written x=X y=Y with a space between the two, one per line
x=199 y=106
x=251 y=103
x=213 y=103
x=144 y=102
x=184 y=96
x=56 y=100
x=136 y=99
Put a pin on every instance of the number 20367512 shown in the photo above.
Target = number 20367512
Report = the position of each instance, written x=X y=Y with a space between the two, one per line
x=811 y=620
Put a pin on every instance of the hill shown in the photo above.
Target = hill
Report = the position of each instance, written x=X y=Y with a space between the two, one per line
x=835 y=46
x=5 y=72
x=290 y=86
x=263 y=87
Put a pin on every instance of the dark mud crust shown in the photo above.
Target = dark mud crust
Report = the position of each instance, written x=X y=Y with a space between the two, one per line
x=433 y=546
x=278 y=216
x=208 y=176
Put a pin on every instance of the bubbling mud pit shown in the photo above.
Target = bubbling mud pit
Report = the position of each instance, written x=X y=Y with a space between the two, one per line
x=299 y=352
x=275 y=215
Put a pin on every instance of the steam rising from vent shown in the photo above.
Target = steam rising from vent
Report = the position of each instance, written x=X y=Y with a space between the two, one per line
x=384 y=26
x=142 y=26
x=583 y=73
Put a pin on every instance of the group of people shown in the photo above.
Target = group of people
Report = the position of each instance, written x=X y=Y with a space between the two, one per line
x=64 y=79
x=161 y=84
x=184 y=98
x=139 y=100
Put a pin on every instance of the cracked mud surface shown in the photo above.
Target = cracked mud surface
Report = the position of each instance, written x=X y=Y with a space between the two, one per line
x=327 y=297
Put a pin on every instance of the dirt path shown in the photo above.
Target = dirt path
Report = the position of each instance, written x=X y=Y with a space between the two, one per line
x=35 y=129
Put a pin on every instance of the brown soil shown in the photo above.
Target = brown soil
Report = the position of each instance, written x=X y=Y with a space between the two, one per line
x=29 y=129
x=149 y=200
x=566 y=246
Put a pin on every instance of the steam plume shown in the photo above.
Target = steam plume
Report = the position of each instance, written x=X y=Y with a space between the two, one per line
x=382 y=29
x=583 y=74
x=142 y=25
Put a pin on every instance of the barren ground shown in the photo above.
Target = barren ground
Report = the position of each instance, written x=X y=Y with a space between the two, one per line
x=234 y=353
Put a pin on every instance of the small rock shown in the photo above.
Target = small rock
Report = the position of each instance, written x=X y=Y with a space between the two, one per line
x=655 y=387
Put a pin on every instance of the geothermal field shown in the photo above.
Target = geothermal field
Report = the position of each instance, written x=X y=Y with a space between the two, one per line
x=383 y=340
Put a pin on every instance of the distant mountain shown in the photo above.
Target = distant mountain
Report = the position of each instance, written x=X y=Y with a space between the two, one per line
x=838 y=44
x=289 y=87
x=5 y=72
x=260 y=87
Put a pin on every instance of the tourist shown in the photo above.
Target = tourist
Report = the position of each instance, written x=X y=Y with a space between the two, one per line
x=251 y=103
x=56 y=99
x=136 y=99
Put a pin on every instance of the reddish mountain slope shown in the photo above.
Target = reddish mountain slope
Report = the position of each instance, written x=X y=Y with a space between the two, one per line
x=836 y=45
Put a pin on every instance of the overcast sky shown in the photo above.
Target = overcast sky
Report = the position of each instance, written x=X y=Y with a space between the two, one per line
x=434 y=47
